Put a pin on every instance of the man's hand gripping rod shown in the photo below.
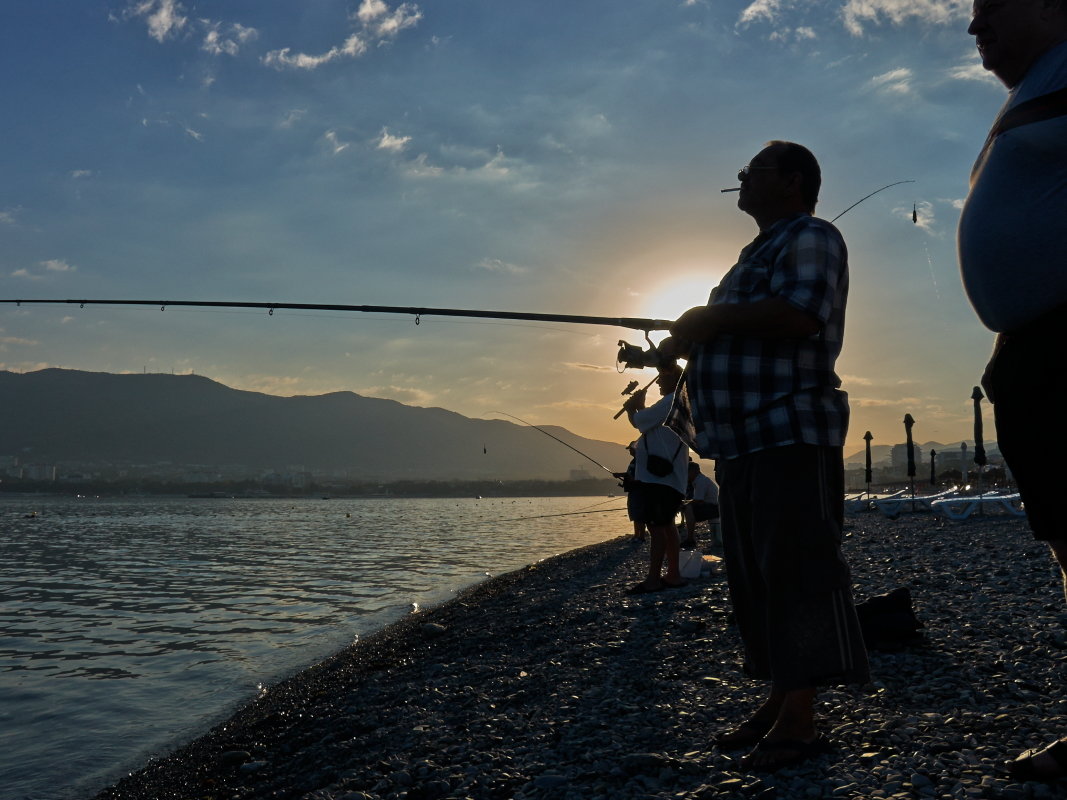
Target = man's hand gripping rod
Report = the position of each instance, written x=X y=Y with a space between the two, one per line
x=629 y=390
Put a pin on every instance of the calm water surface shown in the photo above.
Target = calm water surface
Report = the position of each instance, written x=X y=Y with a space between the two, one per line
x=130 y=625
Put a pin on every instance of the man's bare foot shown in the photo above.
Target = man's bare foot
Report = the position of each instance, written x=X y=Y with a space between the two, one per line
x=771 y=755
x=747 y=734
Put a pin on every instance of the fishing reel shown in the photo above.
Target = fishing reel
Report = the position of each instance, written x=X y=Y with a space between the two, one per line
x=632 y=356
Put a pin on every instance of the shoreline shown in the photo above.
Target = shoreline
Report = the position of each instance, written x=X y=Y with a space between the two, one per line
x=550 y=681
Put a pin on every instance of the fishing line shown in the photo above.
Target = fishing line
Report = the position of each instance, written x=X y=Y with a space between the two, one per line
x=546 y=433
x=933 y=278
x=564 y=514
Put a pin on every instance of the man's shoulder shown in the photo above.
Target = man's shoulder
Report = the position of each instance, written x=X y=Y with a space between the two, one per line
x=807 y=224
x=1048 y=74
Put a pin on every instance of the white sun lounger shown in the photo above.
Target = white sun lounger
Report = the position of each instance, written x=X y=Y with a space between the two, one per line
x=957 y=508
x=894 y=505
x=857 y=502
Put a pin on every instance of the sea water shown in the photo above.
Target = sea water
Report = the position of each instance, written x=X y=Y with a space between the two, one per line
x=128 y=625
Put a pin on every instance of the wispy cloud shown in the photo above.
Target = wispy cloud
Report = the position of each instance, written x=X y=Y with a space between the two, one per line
x=292 y=117
x=7 y=218
x=42 y=270
x=497 y=265
x=57 y=265
x=167 y=20
x=394 y=144
x=896 y=81
x=226 y=38
x=764 y=11
x=857 y=13
x=378 y=24
x=171 y=122
x=589 y=367
x=77 y=174
x=335 y=142
x=353 y=47
x=164 y=18
x=381 y=22
x=973 y=71
x=420 y=167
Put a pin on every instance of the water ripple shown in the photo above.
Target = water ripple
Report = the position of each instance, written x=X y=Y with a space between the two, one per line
x=130 y=624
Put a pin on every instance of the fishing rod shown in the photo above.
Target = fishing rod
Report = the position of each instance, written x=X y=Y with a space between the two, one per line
x=872 y=194
x=546 y=433
x=629 y=389
x=835 y=219
x=634 y=323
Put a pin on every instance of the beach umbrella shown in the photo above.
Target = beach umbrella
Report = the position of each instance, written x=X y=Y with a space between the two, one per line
x=963 y=463
x=908 y=422
x=867 y=464
x=979 y=446
x=933 y=468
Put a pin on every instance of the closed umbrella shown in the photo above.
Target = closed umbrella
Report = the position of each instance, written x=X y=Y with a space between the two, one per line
x=933 y=468
x=908 y=422
x=867 y=467
x=979 y=446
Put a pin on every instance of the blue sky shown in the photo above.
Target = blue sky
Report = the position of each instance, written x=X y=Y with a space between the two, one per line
x=558 y=157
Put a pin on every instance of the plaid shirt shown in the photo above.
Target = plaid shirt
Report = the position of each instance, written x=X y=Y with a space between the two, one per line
x=741 y=394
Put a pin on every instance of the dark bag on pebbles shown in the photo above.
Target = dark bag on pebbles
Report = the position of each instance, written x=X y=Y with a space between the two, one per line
x=888 y=621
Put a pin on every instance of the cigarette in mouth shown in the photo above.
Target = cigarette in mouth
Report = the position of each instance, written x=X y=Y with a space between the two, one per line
x=735 y=189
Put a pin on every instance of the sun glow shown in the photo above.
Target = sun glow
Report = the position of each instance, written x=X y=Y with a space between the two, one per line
x=676 y=295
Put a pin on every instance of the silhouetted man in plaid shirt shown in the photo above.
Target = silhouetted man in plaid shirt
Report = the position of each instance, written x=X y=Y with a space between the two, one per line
x=761 y=397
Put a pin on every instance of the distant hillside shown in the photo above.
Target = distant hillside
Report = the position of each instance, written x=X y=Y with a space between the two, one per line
x=67 y=416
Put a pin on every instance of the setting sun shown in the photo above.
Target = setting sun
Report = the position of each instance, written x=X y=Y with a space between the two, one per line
x=677 y=294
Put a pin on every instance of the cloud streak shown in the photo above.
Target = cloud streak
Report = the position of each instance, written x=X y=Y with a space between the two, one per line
x=378 y=25
x=854 y=15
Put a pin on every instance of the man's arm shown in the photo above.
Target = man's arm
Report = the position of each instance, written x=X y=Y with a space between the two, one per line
x=987 y=376
x=773 y=318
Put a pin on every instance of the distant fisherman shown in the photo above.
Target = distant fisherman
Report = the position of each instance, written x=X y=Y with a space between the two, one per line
x=660 y=469
x=1013 y=257
x=765 y=402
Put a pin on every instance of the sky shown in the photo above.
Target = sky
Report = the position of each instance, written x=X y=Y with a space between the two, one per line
x=558 y=157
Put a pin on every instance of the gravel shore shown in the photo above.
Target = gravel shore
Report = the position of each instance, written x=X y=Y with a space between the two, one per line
x=552 y=682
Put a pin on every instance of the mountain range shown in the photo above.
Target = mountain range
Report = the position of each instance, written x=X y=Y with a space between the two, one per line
x=60 y=416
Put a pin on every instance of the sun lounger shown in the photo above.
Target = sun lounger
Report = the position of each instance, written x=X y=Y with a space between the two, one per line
x=858 y=502
x=958 y=508
x=896 y=504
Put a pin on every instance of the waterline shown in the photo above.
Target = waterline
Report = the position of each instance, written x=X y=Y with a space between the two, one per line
x=130 y=624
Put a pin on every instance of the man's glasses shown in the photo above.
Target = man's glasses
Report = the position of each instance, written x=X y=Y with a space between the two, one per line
x=745 y=170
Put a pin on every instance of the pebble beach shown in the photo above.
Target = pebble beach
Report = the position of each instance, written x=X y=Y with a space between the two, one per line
x=552 y=682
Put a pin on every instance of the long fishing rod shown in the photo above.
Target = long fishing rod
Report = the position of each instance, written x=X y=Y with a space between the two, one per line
x=872 y=194
x=835 y=219
x=634 y=323
x=546 y=433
